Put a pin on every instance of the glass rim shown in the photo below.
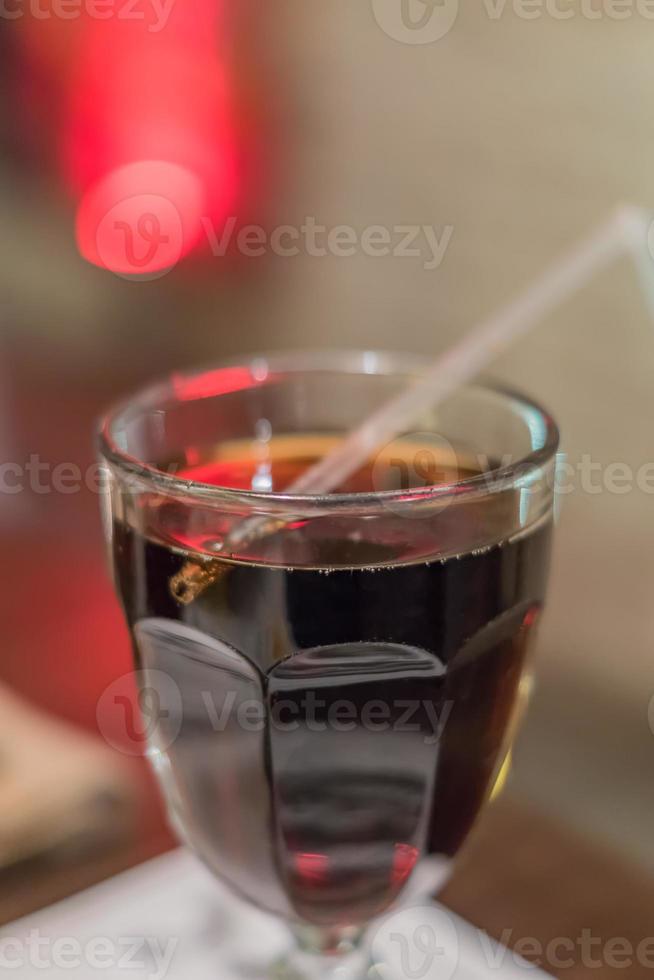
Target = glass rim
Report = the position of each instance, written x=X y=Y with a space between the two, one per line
x=346 y=361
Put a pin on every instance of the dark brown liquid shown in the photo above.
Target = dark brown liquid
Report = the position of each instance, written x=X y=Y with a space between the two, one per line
x=388 y=693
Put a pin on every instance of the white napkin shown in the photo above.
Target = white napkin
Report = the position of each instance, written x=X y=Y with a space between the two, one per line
x=171 y=920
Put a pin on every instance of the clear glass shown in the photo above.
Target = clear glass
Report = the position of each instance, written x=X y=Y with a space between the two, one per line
x=335 y=680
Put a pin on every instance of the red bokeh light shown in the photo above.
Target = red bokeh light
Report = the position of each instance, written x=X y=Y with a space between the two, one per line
x=141 y=219
x=312 y=868
x=404 y=861
x=149 y=142
x=220 y=381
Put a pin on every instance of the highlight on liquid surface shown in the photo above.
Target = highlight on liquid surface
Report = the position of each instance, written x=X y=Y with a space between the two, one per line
x=343 y=714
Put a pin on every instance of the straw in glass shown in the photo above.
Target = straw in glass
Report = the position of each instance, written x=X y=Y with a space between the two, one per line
x=626 y=232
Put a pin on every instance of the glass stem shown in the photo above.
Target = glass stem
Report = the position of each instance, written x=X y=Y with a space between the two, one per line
x=323 y=954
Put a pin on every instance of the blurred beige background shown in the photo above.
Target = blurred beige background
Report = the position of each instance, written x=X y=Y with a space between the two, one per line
x=522 y=135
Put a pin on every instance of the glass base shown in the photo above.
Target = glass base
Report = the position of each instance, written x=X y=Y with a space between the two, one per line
x=324 y=955
x=309 y=966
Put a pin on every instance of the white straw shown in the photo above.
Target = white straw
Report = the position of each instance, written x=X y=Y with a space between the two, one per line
x=638 y=230
x=626 y=232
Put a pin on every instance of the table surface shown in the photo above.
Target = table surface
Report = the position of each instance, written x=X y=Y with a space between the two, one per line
x=527 y=881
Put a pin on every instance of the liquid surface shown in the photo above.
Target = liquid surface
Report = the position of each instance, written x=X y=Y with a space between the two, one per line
x=334 y=727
